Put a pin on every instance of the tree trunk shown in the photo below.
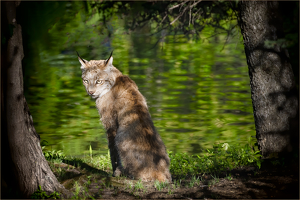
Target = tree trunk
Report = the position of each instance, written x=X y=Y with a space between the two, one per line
x=24 y=166
x=273 y=91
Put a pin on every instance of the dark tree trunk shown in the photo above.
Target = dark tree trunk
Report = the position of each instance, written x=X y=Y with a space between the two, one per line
x=23 y=165
x=273 y=91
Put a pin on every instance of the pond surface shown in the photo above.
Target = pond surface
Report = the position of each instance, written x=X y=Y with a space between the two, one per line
x=198 y=92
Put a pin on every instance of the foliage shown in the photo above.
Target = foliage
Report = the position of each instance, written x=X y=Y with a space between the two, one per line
x=191 y=17
x=41 y=194
x=53 y=154
x=100 y=161
x=178 y=17
x=222 y=157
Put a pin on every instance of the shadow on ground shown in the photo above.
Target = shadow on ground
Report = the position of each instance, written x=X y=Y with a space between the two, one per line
x=271 y=181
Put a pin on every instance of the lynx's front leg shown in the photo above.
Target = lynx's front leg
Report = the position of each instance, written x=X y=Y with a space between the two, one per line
x=114 y=156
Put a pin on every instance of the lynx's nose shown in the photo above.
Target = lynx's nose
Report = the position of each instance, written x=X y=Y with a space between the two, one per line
x=91 y=92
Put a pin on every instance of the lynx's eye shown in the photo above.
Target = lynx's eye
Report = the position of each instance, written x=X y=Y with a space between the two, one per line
x=85 y=81
x=99 y=82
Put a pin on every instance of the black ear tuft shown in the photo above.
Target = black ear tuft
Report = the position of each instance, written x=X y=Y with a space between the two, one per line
x=109 y=57
x=80 y=57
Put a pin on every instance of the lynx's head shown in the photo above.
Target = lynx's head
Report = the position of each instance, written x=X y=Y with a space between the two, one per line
x=98 y=76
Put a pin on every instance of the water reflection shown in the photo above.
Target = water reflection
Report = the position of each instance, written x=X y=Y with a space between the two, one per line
x=196 y=93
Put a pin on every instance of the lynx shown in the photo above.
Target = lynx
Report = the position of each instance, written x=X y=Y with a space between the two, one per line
x=136 y=148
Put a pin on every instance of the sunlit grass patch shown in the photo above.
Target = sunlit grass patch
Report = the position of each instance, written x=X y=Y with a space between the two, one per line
x=221 y=157
x=101 y=162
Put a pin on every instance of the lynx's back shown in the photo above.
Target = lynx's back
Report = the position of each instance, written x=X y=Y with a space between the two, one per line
x=136 y=148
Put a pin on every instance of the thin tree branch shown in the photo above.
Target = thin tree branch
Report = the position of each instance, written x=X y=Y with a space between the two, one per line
x=180 y=7
x=190 y=7
x=177 y=5
x=163 y=19
x=190 y=15
x=179 y=15
x=195 y=3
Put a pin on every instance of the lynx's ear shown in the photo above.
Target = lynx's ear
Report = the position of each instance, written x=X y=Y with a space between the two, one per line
x=108 y=62
x=82 y=61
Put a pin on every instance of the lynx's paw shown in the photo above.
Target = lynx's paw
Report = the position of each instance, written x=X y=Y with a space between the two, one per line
x=117 y=172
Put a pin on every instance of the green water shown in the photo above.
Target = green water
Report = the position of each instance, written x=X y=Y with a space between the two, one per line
x=198 y=93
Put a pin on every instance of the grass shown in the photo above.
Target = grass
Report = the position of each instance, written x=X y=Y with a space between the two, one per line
x=170 y=191
x=41 y=194
x=130 y=186
x=194 y=181
x=82 y=192
x=229 y=177
x=102 y=162
x=89 y=181
x=160 y=185
x=177 y=183
x=77 y=190
x=213 y=181
x=220 y=158
x=139 y=185
x=216 y=179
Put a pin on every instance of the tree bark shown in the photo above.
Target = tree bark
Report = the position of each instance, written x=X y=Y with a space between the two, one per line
x=24 y=165
x=273 y=91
